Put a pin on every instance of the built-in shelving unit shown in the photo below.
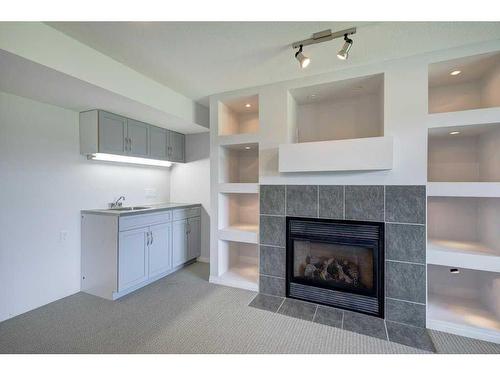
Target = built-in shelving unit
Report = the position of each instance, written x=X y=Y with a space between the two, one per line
x=466 y=225
x=464 y=153
x=239 y=163
x=464 y=303
x=239 y=265
x=466 y=83
x=463 y=204
x=236 y=202
x=239 y=116
x=239 y=217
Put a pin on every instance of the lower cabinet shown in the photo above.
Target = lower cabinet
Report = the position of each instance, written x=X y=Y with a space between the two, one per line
x=160 y=249
x=194 y=237
x=132 y=258
x=186 y=240
x=122 y=254
x=180 y=243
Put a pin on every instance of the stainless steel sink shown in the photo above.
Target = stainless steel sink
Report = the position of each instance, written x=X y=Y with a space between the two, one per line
x=129 y=208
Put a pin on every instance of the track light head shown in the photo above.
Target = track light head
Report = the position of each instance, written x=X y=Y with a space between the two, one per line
x=343 y=54
x=303 y=60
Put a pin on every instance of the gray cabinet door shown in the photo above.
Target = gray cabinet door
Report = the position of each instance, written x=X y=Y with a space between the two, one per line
x=194 y=237
x=138 y=138
x=158 y=143
x=179 y=242
x=176 y=147
x=160 y=249
x=112 y=133
x=132 y=258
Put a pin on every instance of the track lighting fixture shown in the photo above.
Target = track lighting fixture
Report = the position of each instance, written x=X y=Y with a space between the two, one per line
x=324 y=36
x=343 y=54
x=303 y=60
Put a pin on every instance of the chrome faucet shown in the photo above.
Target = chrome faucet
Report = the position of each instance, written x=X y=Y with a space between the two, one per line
x=117 y=203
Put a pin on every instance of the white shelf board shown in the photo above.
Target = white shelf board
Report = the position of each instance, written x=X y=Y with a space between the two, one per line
x=461 y=317
x=240 y=233
x=244 y=276
x=374 y=153
x=240 y=188
x=461 y=118
x=463 y=189
x=237 y=139
x=471 y=255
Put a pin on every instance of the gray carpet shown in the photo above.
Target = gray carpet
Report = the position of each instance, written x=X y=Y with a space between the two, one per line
x=183 y=313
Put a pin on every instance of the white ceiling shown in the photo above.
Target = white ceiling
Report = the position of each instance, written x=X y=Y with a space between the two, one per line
x=198 y=59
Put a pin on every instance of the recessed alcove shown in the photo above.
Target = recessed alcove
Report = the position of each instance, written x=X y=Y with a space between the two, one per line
x=239 y=163
x=471 y=82
x=464 y=302
x=347 y=109
x=239 y=265
x=464 y=153
x=239 y=212
x=464 y=224
x=239 y=115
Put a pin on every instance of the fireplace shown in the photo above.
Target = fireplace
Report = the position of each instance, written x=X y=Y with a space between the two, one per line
x=338 y=263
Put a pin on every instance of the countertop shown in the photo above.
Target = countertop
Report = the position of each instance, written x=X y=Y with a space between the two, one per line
x=151 y=208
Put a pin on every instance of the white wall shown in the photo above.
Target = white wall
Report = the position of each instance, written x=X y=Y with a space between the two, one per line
x=44 y=184
x=190 y=183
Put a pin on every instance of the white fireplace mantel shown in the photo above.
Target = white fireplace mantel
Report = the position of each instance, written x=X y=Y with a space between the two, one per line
x=360 y=154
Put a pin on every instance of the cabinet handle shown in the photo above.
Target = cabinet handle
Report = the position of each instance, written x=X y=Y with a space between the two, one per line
x=130 y=144
x=147 y=238
x=152 y=238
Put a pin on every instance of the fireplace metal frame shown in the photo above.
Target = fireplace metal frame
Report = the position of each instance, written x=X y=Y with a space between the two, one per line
x=378 y=264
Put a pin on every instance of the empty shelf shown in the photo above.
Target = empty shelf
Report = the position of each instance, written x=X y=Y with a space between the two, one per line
x=472 y=255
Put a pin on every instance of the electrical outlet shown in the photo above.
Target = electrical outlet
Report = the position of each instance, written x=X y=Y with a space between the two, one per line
x=150 y=192
x=63 y=235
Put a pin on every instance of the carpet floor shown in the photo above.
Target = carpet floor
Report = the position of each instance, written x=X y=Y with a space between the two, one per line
x=183 y=313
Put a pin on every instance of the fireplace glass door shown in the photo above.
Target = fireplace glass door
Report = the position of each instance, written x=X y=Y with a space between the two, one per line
x=341 y=266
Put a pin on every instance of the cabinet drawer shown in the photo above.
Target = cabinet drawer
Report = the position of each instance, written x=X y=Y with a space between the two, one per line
x=185 y=213
x=137 y=221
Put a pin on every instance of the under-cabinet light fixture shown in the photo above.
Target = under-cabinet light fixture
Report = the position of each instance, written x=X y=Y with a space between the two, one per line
x=129 y=160
x=454 y=270
x=248 y=105
x=455 y=73
x=247 y=147
x=325 y=36
x=454 y=133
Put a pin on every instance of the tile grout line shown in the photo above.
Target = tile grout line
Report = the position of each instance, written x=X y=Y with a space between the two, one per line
x=386 y=331
x=282 y=302
x=404 y=261
x=403 y=300
x=315 y=311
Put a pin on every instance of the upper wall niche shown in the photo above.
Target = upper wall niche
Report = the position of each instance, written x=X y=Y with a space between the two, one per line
x=239 y=115
x=347 y=109
x=466 y=83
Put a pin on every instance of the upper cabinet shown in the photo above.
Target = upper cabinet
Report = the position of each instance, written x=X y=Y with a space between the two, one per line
x=176 y=142
x=138 y=138
x=104 y=132
x=112 y=132
x=158 y=143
